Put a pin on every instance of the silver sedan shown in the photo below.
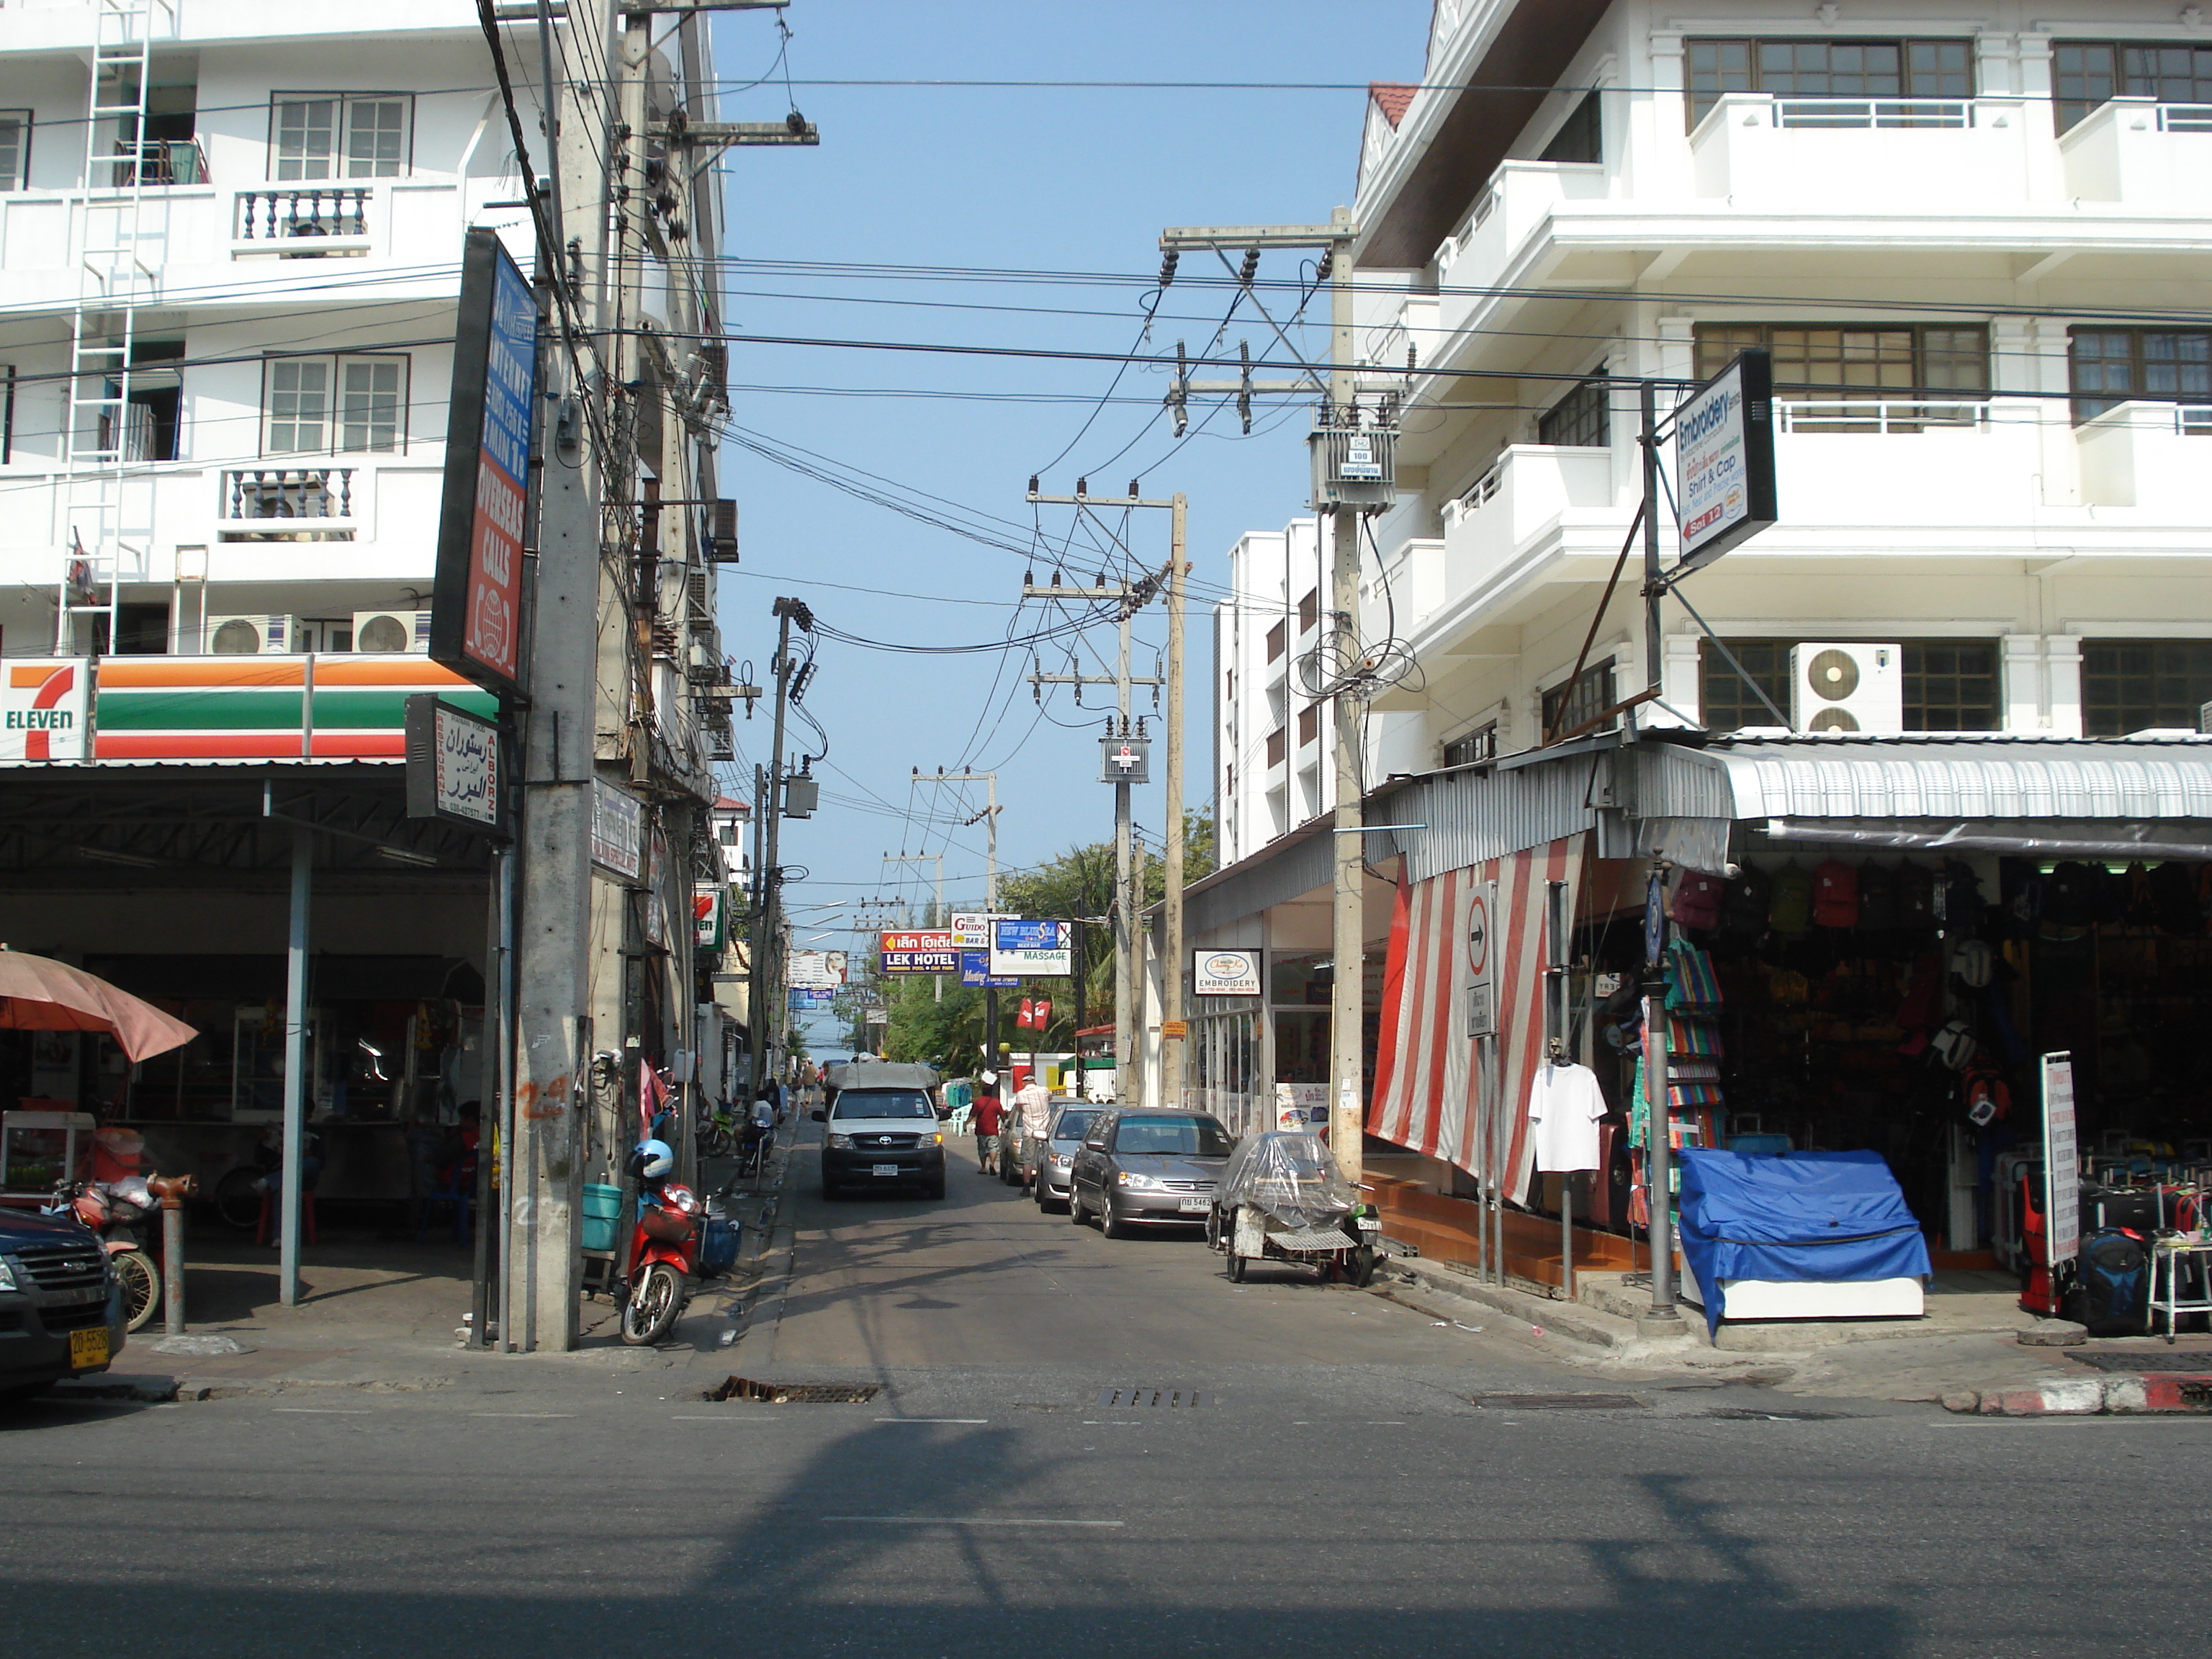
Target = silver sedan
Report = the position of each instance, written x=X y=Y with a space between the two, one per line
x=1055 y=1157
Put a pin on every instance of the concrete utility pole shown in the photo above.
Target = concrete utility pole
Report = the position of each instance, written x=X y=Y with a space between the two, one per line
x=768 y=1022
x=1173 y=1016
x=1128 y=906
x=1348 y=1084
x=937 y=918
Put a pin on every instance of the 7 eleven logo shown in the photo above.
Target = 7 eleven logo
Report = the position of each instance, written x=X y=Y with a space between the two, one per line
x=43 y=714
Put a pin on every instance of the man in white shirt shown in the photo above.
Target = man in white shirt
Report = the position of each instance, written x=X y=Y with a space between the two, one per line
x=1034 y=1103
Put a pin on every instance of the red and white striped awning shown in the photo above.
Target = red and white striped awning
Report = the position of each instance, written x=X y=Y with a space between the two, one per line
x=1427 y=1085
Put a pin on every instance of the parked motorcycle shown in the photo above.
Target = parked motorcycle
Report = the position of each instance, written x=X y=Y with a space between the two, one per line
x=115 y=1210
x=718 y=1130
x=677 y=1240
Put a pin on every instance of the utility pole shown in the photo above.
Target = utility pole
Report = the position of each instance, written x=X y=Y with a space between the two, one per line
x=1173 y=1029
x=768 y=1022
x=988 y=817
x=1347 y=1085
x=1128 y=958
x=937 y=919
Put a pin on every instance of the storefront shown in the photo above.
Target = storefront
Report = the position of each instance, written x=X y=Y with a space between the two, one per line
x=1890 y=931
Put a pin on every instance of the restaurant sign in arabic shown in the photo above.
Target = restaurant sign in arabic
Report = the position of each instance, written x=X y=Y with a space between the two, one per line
x=454 y=770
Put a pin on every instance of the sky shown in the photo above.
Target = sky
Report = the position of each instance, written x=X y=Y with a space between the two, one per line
x=1078 y=181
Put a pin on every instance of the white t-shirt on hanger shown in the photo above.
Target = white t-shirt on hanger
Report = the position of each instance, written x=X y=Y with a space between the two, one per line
x=1565 y=1103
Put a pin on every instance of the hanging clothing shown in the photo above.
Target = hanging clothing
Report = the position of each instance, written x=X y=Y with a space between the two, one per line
x=1565 y=1103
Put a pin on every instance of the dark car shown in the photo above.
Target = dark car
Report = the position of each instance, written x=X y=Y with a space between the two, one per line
x=61 y=1311
x=881 y=1137
x=1145 y=1168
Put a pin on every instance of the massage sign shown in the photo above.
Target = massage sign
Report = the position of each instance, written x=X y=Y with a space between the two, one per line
x=475 y=622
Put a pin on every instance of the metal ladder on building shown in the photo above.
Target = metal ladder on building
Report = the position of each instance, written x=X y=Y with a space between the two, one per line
x=107 y=515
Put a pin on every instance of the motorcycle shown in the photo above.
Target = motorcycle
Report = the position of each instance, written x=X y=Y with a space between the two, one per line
x=717 y=1132
x=114 y=1211
x=677 y=1241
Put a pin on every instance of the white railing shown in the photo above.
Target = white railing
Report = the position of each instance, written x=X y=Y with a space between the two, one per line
x=1870 y=114
x=2193 y=419
x=1873 y=414
x=280 y=216
x=2185 y=118
x=1482 y=490
x=269 y=492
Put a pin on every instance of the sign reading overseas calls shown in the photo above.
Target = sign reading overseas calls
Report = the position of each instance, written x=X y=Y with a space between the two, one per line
x=1225 y=973
x=1724 y=460
x=1036 y=949
x=476 y=600
x=44 y=706
x=453 y=764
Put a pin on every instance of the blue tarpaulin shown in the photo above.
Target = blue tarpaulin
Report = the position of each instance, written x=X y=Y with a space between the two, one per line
x=1809 y=1217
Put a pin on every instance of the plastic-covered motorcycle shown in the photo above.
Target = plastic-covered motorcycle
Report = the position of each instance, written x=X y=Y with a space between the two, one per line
x=115 y=1210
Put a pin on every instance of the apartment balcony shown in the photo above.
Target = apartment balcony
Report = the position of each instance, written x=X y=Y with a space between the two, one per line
x=2150 y=456
x=2141 y=152
x=365 y=517
x=1514 y=518
x=245 y=241
x=1514 y=205
x=1884 y=155
x=1908 y=463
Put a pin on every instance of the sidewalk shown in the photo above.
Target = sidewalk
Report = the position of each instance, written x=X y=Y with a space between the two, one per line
x=380 y=1313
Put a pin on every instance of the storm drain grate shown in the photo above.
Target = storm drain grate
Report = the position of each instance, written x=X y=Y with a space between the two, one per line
x=1172 y=1398
x=795 y=1394
x=2199 y=1363
x=1559 y=1403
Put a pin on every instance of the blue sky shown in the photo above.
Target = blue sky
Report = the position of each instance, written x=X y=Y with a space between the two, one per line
x=1000 y=179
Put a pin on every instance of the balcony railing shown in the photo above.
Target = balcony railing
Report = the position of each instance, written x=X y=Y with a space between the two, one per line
x=1867 y=113
x=318 y=492
x=284 y=214
x=2185 y=118
x=1869 y=414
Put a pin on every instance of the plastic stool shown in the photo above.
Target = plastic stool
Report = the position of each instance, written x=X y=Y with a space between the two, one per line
x=267 y=1224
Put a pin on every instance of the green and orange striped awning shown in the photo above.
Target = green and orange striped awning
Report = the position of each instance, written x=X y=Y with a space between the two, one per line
x=258 y=709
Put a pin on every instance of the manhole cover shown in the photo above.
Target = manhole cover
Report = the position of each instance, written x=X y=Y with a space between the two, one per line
x=2198 y=1362
x=795 y=1394
x=1173 y=1398
x=1558 y=1402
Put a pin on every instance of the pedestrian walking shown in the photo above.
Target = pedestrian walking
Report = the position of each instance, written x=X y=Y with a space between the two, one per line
x=987 y=1116
x=1033 y=1107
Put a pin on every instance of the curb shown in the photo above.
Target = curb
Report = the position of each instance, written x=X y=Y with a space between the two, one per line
x=2090 y=1397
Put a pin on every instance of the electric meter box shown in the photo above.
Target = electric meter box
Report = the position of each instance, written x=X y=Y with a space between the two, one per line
x=1125 y=760
x=1355 y=466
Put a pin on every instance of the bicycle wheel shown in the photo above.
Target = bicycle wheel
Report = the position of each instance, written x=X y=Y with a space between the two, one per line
x=236 y=1201
x=141 y=1286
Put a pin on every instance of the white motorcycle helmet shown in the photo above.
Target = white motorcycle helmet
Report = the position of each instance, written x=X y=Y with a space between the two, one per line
x=651 y=1160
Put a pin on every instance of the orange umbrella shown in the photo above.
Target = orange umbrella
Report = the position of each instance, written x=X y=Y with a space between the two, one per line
x=39 y=994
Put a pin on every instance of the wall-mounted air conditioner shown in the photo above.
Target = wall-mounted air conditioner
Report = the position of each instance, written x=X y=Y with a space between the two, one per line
x=387 y=633
x=1847 y=688
x=247 y=636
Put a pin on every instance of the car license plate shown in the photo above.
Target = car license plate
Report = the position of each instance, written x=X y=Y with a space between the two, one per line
x=1197 y=1205
x=883 y=1170
x=88 y=1348
x=1368 y=1224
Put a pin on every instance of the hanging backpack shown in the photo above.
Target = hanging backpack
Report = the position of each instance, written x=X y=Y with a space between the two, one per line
x=1877 y=899
x=1835 y=895
x=1793 y=899
x=1745 y=904
x=2173 y=898
x=1964 y=907
x=1697 y=900
x=1916 y=896
x=1986 y=1095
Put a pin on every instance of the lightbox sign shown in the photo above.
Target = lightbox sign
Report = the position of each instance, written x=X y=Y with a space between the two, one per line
x=44 y=706
x=475 y=601
x=709 y=918
x=1225 y=974
x=453 y=770
x=1724 y=460
x=929 y=951
x=617 y=831
x=1033 y=948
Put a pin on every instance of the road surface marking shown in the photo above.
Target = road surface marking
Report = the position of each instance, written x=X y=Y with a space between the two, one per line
x=318 y=1411
x=956 y=1521
x=933 y=1420
x=532 y=1415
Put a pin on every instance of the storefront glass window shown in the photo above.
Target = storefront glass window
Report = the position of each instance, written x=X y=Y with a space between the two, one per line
x=2129 y=685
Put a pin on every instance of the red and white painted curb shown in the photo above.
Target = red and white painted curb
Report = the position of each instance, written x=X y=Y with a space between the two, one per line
x=2090 y=1396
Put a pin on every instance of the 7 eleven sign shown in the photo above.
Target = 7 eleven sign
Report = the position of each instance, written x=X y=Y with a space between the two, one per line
x=45 y=708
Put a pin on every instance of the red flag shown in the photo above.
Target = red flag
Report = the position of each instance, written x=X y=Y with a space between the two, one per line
x=1040 y=1013
x=1022 y=1019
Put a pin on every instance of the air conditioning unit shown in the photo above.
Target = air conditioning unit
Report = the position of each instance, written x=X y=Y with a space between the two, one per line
x=1847 y=688
x=705 y=667
x=722 y=533
x=247 y=636
x=389 y=633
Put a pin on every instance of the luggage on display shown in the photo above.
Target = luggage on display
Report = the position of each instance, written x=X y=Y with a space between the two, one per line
x=2112 y=1284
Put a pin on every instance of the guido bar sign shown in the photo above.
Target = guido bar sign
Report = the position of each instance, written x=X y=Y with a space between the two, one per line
x=475 y=603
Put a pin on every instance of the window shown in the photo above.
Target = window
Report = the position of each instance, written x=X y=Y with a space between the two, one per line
x=325 y=405
x=15 y=148
x=350 y=136
x=2109 y=366
x=1275 y=742
x=1309 y=724
x=1580 y=418
x=1581 y=138
x=1568 y=706
x=1310 y=609
x=2087 y=73
x=1829 y=68
x=1275 y=641
x=1876 y=362
x=1950 y=685
x=2130 y=685
x=1478 y=746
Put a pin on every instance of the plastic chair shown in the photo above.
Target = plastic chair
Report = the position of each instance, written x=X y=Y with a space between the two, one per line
x=265 y=1226
x=460 y=1192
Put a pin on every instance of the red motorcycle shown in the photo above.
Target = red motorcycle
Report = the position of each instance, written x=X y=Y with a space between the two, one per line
x=677 y=1241
x=114 y=1211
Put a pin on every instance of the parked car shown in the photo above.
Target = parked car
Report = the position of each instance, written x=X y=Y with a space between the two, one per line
x=1143 y=1168
x=61 y=1308
x=1055 y=1157
x=881 y=1136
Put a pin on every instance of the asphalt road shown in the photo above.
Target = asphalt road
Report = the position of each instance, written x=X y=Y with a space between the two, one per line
x=1340 y=1492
